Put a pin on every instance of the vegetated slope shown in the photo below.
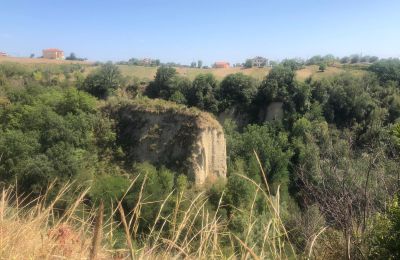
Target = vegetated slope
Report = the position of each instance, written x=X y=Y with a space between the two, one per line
x=327 y=172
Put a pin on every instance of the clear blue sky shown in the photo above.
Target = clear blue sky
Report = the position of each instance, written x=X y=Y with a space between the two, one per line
x=187 y=30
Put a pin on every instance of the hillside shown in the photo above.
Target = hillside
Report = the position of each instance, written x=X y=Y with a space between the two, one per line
x=257 y=73
x=148 y=73
x=322 y=172
x=41 y=61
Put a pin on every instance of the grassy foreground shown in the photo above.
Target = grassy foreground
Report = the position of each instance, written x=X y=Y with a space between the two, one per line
x=38 y=230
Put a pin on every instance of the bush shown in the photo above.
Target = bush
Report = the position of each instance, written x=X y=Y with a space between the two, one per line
x=104 y=81
x=385 y=235
x=237 y=90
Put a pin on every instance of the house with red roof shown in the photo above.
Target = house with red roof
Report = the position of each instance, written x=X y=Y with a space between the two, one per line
x=53 y=54
x=221 y=65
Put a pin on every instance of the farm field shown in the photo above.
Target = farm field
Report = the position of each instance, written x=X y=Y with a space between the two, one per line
x=41 y=61
x=191 y=73
x=148 y=73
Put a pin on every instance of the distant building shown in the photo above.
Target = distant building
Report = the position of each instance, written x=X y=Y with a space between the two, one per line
x=259 y=62
x=221 y=65
x=3 y=54
x=147 y=61
x=53 y=54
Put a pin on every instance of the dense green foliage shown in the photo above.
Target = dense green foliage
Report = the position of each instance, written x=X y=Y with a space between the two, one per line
x=104 y=81
x=237 y=90
x=387 y=70
x=385 y=239
x=332 y=159
x=48 y=134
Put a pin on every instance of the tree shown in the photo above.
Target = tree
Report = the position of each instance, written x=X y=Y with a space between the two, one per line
x=385 y=238
x=237 y=90
x=271 y=144
x=160 y=82
x=329 y=59
x=387 y=70
x=193 y=64
x=344 y=60
x=317 y=59
x=355 y=58
x=104 y=81
x=32 y=56
x=275 y=86
x=348 y=101
x=176 y=90
x=373 y=59
x=199 y=64
x=364 y=58
x=202 y=93
x=133 y=61
x=322 y=67
x=280 y=86
x=293 y=64
x=72 y=56
x=248 y=64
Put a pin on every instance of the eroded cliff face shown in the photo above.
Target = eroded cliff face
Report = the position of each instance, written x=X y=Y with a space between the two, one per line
x=185 y=140
x=209 y=155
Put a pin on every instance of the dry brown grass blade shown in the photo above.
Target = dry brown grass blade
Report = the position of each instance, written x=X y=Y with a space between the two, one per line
x=264 y=176
x=249 y=250
x=126 y=229
x=172 y=244
x=313 y=241
x=97 y=233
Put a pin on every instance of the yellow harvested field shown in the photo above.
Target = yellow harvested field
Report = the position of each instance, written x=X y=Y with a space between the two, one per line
x=41 y=61
x=148 y=73
x=191 y=73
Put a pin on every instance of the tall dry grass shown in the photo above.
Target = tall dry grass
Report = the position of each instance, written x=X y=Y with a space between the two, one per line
x=36 y=230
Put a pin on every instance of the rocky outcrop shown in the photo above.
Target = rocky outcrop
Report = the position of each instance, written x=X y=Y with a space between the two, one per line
x=209 y=155
x=163 y=133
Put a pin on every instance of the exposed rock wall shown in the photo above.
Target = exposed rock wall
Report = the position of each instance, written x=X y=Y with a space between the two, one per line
x=163 y=133
x=209 y=155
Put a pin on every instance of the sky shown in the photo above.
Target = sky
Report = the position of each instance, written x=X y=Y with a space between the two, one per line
x=188 y=30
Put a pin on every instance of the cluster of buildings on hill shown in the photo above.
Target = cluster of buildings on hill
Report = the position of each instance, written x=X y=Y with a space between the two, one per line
x=256 y=62
x=52 y=53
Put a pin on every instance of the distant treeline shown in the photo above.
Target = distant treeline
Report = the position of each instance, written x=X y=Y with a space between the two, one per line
x=328 y=59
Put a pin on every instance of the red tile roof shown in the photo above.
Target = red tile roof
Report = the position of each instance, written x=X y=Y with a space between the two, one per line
x=53 y=50
x=221 y=63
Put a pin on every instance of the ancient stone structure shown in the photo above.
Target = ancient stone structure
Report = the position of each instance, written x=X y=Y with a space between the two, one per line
x=185 y=140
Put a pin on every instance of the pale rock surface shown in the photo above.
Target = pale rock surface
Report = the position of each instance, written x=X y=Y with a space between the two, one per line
x=185 y=140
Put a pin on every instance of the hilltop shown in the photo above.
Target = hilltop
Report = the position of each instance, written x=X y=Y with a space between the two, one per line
x=148 y=73
x=29 y=61
x=257 y=73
